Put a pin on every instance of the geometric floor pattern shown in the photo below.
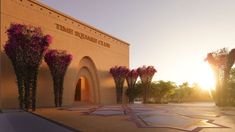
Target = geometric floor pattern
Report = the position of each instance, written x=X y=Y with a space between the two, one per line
x=177 y=118
x=154 y=116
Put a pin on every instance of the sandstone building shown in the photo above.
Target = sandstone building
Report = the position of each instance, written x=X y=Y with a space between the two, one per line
x=94 y=53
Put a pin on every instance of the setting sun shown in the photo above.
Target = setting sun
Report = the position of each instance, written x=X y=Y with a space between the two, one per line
x=205 y=78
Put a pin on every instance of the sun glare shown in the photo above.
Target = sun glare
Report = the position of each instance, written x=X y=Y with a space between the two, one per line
x=206 y=78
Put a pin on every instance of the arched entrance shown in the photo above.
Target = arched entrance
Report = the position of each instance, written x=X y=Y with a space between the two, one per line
x=87 y=85
x=82 y=90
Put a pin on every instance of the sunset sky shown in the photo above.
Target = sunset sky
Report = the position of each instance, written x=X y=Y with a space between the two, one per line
x=172 y=35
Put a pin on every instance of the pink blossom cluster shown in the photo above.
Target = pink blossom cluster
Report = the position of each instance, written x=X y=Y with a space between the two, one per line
x=131 y=77
x=25 y=47
x=146 y=73
x=119 y=72
x=221 y=60
x=218 y=62
x=58 y=61
x=26 y=44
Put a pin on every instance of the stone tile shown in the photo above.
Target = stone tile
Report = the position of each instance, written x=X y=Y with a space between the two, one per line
x=107 y=112
x=174 y=121
x=198 y=113
x=184 y=117
x=5 y=125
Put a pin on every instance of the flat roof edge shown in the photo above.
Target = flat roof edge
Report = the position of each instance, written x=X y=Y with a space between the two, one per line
x=74 y=19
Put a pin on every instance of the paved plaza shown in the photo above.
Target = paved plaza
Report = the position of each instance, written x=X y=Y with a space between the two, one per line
x=192 y=117
x=21 y=121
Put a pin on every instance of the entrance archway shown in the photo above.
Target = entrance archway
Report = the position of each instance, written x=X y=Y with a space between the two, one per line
x=87 y=85
x=82 y=90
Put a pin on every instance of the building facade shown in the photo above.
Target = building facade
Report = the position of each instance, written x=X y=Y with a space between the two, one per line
x=94 y=53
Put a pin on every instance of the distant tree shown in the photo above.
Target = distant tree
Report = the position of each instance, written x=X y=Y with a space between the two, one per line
x=139 y=90
x=182 y=92
x=199 y=94
x=135 y=92
x=161 y=90
x=178 y=96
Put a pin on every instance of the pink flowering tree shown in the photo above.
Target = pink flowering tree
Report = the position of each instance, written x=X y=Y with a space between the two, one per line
x=221 y=62
x=131 y=78
x=25 y=48
x=119 y=75
x=146 y=75
x=58 y=62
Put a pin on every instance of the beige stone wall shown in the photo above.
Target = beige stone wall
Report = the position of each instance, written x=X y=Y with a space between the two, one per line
x=94 y=57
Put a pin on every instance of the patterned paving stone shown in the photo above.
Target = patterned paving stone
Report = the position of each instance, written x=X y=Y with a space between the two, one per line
x=177 y=118
x=111 y=108
x=173 y=121
x=107 y=112
x=195 y=113
x=82 y=109
x=180 y=117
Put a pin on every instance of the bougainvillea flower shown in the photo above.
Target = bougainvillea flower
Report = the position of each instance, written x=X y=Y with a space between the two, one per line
x=25 y=47
x=131 y=77
x=146 y=73
x=58 y=61
x=119 y=74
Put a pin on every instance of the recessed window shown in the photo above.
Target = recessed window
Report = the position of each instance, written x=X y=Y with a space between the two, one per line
x=40 y=8
x=31 y=4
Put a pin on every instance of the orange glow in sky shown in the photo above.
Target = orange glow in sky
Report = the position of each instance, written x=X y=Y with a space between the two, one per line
x=172 y=35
